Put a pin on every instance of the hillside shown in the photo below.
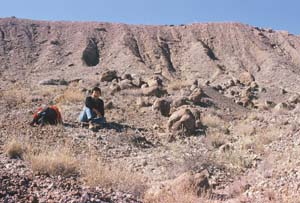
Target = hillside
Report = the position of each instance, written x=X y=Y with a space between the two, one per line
x=199 y=112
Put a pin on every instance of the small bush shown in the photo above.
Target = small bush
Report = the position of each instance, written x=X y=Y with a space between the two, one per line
x=55 y=162
x=14 y=149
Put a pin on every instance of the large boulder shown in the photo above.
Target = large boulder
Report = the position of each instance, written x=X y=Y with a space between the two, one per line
x=193 y=183
x=182 y=120
x=163 y=106
x=108 y=76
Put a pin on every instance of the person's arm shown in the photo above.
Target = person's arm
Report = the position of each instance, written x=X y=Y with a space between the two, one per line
x=97 y=112
x=89 y=102
x=101 y=110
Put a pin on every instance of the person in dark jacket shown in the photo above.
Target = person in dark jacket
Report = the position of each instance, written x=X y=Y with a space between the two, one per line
x=93 y=111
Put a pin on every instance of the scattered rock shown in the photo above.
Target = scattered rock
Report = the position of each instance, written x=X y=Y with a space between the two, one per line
x=294 y=99
x=153 y=91
x=196 y=96
x=182 y=120
x=108 y=76
x=283 y=91
x=226 y=147
x=137 y=81
x=143 y=102
x=115 y=88
x=109 y=105
x=144 y=86
x=246 y=78
x=126 y=76
x=163 y=106
x=179 y=101
x=254 y=85
x=125 y=84
x=281 y=106
x=53 y=82
x=155 y=81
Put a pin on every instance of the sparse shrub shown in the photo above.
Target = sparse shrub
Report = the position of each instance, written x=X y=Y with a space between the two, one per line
x=97 y=173
x=14 y=149
x=181 y=197
x=214 y=122
x=237 y=188
x=245 y=129
x=54 y=162
x=14 y=97
x=175 y=198
x=236 y=159
x=216 y=139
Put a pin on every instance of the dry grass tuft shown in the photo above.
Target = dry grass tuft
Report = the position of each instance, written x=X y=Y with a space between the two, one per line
x=14 y=97
x=70 y=95
x=216 y=139
x=97 y=173
x=14 y=149
x=54 y=162
x=236 y=159
x=174 y=198
x=245 y=129
x=214 y=122
x=180 y=197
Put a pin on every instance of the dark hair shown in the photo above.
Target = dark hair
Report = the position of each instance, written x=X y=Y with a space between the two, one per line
x=96 y=89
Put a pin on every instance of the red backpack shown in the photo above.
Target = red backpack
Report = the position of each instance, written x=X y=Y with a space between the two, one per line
x=49 y=115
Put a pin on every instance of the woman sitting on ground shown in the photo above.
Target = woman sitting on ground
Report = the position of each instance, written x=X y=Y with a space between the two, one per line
x=93 y=111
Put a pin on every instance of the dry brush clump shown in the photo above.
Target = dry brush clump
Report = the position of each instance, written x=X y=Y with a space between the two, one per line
x=235 y=158
x=214 y=123
x=58 y=161
x=70 y=95
x=14 y=148
x=216 y=139
x=178 y=197
x=98 y=173
x=14 y=97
